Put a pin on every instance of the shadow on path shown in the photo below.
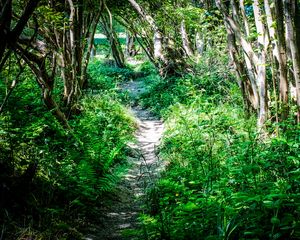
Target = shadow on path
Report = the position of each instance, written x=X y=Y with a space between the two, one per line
x=120 y=221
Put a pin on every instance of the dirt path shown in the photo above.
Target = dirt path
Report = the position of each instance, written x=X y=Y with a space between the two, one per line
x=120 y=220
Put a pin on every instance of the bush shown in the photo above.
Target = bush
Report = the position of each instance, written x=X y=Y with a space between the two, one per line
x=213 y=81
x=52 y=179
x=222 y=181
x=105 y=75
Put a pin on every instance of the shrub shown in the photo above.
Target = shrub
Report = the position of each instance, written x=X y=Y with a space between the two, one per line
x=222 y=181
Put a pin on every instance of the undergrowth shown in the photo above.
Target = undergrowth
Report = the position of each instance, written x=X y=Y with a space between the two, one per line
x=211 y=79
x=222 y=180
x=53 y=181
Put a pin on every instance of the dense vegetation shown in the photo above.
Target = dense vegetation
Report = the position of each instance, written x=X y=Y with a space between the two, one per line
x=49 y=175
x=222 y=180
x=223 y=75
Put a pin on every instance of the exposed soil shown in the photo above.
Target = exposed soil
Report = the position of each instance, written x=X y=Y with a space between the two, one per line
x=121 y=218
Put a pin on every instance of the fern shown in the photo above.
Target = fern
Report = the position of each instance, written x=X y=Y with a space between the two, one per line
x=108 y=183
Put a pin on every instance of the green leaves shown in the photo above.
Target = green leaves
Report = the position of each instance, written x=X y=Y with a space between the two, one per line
x=221 y=181
x=104 y=129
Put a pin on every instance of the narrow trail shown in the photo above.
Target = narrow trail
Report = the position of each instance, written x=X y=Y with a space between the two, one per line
x=121 y=219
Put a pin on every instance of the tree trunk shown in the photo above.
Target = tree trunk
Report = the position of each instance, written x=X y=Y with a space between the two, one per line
x=158 y=47
x=9 y=37
x=5 y=22
x=185 y=40
x=252 y=77
x=75 y=42
x=297 y=23
x=250 y=64
x=290 y=9
x=142 y=37
x=250 y=57
x=46 y=83
x=282 y=59
x=245 y=20
x=157 y=34
x=131 y=50
x=112 y=37
x=279 y=52
x=236 y=28
x=74 y=91
x=261 y=66
x=200 y=43
x=239 y=69
x=90 y=49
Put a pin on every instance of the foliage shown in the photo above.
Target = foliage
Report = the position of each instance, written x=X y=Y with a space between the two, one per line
x=104 y=75
x=71 y=170
x=222 y=180
x=211 y=79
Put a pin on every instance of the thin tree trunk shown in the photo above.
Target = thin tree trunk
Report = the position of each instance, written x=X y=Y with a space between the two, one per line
x=297 y=23
x=245 y=20
x=130 y=45
x=261 y=67
x=157 y=36
x=158 y=46
x=250 y=64
x=74 y=91
x=107 y=24
x=290 y=8
x=83 y=81
x=279 y=52
x=5 y=22
x=282 y=58
x=200 y=43
x=239 y=68
x=142 y=38
x=236 y=28
x=10 y=90
x=112 y=37
x=46 y=83
x=252 y=77
x=185 y=40
x=9 y=37
x=251 y=59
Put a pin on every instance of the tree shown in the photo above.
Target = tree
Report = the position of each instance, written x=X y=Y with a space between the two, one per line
x=64 y=45
x=108 y=28
x=291 y=10
x=9 y=35
x=259 y=37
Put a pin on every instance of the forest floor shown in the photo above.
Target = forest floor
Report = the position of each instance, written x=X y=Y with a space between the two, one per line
x=120 y=218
